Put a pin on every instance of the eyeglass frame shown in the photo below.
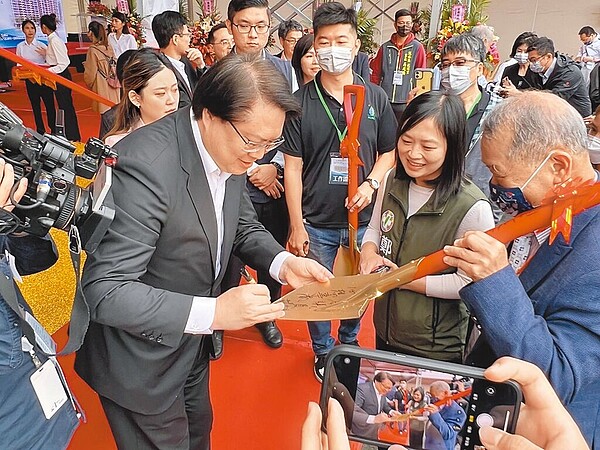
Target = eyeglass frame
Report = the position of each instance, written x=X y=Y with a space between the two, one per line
x=462 y=63
x=253 y=147
x=538 y=58
x=237 y=26
x=223 y=42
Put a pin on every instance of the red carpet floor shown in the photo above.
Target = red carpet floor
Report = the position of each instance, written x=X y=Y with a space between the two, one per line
x=259 y=395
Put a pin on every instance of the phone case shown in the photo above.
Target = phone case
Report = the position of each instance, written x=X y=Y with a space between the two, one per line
x=423 y=80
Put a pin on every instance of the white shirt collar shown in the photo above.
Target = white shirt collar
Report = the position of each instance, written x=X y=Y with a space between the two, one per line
x=176 y=62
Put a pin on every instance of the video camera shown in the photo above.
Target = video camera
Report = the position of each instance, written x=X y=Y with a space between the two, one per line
x=53 y=198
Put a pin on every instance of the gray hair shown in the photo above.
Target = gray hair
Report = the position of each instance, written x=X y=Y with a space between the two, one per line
x=538 y=123
x=483 y=32
x=439 y=387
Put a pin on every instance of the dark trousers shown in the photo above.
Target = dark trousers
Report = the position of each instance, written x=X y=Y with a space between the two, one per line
x=65 y=102
x=185 y=425
x=36 y=93
x=274 y=216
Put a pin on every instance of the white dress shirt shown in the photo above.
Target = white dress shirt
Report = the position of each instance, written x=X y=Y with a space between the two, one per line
x=180 y=67
x=29 y=51
x=202 y=313
x=56 y=54
x=125 y=42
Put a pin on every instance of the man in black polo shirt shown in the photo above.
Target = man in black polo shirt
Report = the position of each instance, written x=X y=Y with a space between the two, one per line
x=316 y=198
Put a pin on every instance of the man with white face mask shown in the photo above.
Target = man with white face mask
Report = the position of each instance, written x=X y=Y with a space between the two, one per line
x=316 y=174
x=461 y=66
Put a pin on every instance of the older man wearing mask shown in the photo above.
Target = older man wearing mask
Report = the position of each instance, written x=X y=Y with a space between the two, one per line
x=536 y=301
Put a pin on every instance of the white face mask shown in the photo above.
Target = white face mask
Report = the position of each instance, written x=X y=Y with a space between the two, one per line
x=521 y=57
x=334 y=59
x=456 y=80
x=594 y=149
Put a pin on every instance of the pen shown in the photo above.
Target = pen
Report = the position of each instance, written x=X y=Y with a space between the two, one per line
x=246 y=276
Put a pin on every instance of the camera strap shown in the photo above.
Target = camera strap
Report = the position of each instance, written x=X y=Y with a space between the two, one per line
x=80 y=314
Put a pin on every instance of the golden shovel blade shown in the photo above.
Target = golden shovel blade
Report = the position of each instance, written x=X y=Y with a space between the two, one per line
x=343 y=297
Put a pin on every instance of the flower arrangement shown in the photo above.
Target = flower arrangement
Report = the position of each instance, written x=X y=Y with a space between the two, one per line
x=199 y=33
x=134 y=24
x=98 y=9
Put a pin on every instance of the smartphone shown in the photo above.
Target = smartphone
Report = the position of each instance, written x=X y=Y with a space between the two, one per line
x=391 y=398
x=423 y=80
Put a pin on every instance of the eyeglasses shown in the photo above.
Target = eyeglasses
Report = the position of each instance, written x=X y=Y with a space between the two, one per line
x=261 y=28
x=224 y=43
x=292 y=41
x=183 y=34
x=534 y=60
x=253 y=147
x=458 y=63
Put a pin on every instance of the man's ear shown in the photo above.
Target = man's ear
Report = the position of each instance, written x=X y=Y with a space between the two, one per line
x=562 y=165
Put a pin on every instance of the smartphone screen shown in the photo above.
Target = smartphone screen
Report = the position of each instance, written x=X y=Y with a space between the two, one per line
x=417 y=403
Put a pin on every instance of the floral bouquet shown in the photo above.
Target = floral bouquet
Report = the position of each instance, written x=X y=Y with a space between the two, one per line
x=99 y=9
x=199 y=33
x=134 y=23
x=449 y=29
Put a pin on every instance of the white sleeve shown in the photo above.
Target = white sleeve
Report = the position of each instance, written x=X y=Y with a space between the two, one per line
x=202 y=315
x=131 y=43
x=373 y=231
x=62 y=57
x=479 y=217
x=19 y=49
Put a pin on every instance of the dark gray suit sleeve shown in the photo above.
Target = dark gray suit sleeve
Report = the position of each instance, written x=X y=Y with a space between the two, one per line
x=111 y=278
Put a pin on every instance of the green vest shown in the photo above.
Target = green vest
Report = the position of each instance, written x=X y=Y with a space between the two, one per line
x=408 y=321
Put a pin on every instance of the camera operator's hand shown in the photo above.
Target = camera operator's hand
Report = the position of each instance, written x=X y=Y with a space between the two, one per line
x=244 y=306
x=543 y=422
x=7 y=181
x=335 y=439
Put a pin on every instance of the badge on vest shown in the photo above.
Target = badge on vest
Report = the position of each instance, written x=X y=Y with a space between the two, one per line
x=387 y=221
x=371 y=113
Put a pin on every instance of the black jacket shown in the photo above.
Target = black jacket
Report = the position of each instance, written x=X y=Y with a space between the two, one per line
x=567 y=82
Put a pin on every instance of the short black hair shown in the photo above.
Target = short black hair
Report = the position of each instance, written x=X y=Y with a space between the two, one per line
x=288 y=25
x=526 y=37
x=211 y=34
x=25 y=22
x=448 y=113
x=167 y=24
x=334 y=13
x=465 y=43
x=402 y=13
x=49 y=20
x=303 y=45
x=236 y=6
x=587 y=30
x=542 y=45
x=234 y=84
x=122 y=60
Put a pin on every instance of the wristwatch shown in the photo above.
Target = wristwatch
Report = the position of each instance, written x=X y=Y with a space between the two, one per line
x=373 y=183
x=279 y=169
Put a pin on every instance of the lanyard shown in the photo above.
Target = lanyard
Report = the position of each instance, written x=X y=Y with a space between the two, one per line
x=470 y=111
x=341 y=135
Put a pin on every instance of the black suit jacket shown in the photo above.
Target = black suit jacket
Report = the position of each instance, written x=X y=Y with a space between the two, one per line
x=366 y=405
x=158 y=253
x=186 y=92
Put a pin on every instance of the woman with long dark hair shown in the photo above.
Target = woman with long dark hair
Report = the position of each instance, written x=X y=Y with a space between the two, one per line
x=304 y=60
x=100 y=68
x=33 y=50
x=57 y=58
x=425 y=204
x=120 y=39
x=150 y=92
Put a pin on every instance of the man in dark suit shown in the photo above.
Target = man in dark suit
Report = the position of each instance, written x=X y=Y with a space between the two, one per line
x=154 y=283
x=173 y=36
x=371 y=408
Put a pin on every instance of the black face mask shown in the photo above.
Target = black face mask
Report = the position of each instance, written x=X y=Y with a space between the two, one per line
x=403 y=31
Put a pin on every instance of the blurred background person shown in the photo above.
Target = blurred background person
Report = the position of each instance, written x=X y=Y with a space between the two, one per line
x=304 y=60
x=594 y=139
x=149 y=93
x=99 y=66
x=220 y=42
x=417 y=421
x=518 y=76
x=289 y=32
x=120 y=39
x=589 y=52
x=57 y=58
x=33 y=50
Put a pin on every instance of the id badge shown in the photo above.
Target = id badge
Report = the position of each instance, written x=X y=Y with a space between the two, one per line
x=398 y=76
x=338 y=169
x=48 y=388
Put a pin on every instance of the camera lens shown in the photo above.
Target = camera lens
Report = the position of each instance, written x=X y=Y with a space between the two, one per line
x=346 y=360
x=490 y=391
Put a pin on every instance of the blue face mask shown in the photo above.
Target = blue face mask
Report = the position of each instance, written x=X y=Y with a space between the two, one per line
x=512 y=201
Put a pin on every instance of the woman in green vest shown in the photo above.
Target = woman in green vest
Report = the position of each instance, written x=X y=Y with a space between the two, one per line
x=425 y=203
